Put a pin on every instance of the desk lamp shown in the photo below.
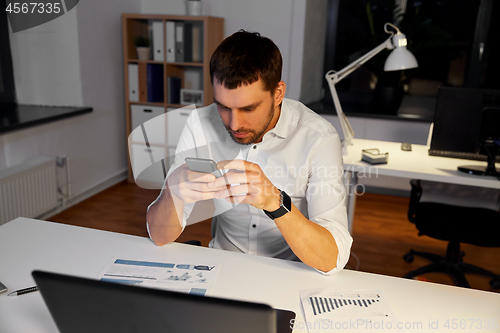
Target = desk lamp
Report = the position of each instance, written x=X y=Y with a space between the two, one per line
x=399 y=59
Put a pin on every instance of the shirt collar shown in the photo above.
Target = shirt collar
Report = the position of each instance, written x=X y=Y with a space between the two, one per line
x=284 y=124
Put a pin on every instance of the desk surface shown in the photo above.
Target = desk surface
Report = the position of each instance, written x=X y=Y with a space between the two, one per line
x=27 y=244
x=415 y=164
x=14 y=117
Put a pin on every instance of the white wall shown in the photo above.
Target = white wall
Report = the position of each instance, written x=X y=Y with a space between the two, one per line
x=283 y=21
x=75 y=59
x=46 y=63
x=313 y=51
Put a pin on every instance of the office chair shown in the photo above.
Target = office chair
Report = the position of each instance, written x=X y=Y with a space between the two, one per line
x=455 y=224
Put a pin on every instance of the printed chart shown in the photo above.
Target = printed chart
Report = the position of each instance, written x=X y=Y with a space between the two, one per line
x=339 y=310
x=188 y=277
x=322 y=305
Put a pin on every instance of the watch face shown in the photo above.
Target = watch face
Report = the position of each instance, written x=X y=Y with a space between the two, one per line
x=286 y=201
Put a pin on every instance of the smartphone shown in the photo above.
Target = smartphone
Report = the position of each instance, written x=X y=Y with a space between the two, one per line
x=203 y=165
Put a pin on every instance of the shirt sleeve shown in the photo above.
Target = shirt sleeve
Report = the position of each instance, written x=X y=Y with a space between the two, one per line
x=186 y=147
x=326 y=196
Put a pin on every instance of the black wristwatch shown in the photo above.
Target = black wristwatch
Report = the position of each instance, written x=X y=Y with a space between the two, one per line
x=285 y=206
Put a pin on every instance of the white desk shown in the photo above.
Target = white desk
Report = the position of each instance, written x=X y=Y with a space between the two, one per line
x=415 y=164
x=27 y=244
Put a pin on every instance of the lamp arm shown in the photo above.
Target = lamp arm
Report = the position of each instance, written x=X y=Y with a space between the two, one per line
x=335 y=77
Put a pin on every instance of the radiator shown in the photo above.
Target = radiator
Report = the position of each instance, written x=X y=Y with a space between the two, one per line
x=29 y=189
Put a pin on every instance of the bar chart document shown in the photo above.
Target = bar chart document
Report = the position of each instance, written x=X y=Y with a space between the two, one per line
x=189 y=277
x=355 y=310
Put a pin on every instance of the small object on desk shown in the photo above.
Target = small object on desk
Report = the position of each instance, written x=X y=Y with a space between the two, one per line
x=373 y=156
x=406 y=146
x=23 y=291
x=3 y=288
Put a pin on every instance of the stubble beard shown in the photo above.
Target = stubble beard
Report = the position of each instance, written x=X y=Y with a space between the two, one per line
x=254 y=135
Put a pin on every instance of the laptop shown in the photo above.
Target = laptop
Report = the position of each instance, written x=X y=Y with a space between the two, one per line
x=85 y=305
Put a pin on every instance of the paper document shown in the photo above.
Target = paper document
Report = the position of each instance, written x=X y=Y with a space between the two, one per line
x=189 y=277
x=355 y=310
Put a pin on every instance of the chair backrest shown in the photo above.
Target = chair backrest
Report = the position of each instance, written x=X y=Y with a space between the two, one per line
x=447 y=212
x=460 y=195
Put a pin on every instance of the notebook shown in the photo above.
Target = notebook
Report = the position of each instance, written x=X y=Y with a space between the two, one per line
x=85 y=305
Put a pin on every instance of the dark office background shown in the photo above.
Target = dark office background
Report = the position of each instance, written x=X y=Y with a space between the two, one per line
x=446 y=37
x=7 y=90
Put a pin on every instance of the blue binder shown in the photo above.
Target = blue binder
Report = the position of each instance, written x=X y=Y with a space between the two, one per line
x=155 y=83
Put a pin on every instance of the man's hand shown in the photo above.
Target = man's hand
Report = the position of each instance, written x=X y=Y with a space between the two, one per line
x=253 y=188
x=191 y=186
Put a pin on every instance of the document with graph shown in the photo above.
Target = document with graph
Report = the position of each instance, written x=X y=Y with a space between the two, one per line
x=342 y=310
x=189 y=277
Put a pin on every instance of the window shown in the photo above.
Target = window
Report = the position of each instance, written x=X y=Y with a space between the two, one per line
x=7 y=90
x=453 y=41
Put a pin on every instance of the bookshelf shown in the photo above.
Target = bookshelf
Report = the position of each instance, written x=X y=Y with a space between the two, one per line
x=181 y=47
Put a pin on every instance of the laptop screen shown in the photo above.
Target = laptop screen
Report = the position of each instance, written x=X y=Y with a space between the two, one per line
x=85 y=305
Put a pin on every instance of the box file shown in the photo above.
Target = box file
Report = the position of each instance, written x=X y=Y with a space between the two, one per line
x=170 y=37
x=197 y=44
x=188 y=42
x=174 y=90
x=179 y=41
x=158 y=41
x=155 y=83
x=133 y=82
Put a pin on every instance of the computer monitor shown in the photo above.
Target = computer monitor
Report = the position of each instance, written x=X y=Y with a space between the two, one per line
x=458 y=130
x=488 y=143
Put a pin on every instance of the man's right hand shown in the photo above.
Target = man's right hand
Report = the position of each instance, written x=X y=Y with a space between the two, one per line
x=191 y=186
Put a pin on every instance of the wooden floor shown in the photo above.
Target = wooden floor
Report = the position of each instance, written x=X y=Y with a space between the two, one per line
x=382 y=233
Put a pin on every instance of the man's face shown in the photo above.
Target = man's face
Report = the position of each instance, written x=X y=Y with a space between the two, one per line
x=248 y=112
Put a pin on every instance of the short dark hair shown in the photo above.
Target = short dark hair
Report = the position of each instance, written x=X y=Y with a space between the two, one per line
x=243 y=58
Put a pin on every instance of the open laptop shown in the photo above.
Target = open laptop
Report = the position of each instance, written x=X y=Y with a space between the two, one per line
x=85 y=305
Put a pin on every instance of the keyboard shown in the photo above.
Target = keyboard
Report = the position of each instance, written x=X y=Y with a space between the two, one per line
x=461 y=155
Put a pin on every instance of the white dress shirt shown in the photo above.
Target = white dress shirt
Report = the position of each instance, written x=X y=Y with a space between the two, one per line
x=300 y=155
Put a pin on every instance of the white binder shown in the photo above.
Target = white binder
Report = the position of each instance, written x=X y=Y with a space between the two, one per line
x=133 y=82
x=170 y=33
x=158 y=41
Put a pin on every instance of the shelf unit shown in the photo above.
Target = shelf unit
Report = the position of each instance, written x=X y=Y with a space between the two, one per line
x=193 y=74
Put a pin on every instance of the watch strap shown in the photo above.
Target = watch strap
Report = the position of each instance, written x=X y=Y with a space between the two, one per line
x=285 y=207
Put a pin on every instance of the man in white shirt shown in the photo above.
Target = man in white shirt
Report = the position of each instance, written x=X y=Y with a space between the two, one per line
x=283 y=194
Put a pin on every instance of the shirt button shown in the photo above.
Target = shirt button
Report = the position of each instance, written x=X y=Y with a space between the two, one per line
x=255 y=147
x=254 y=226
